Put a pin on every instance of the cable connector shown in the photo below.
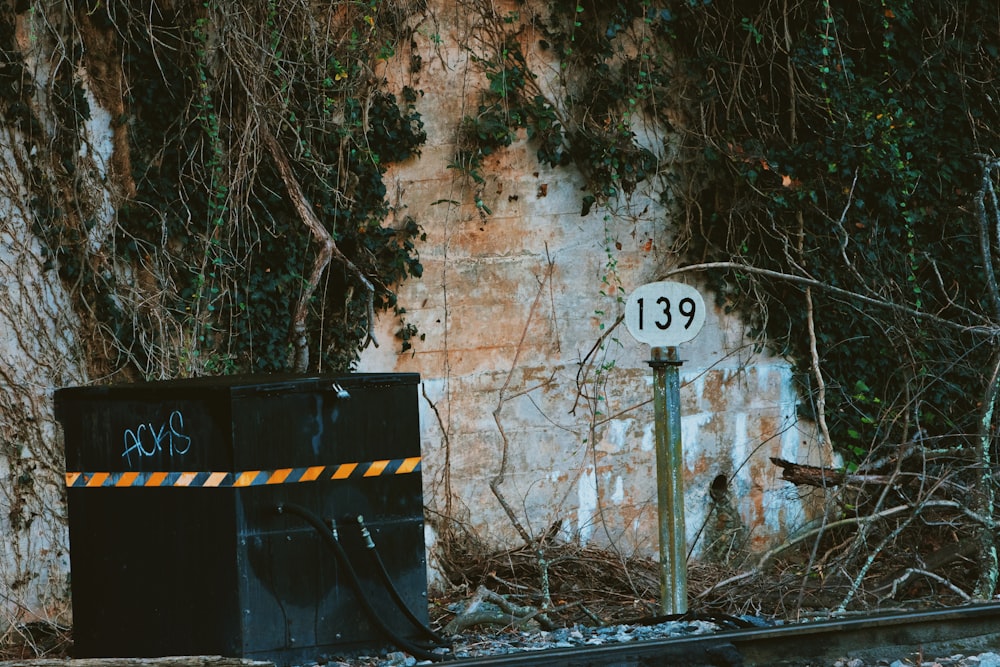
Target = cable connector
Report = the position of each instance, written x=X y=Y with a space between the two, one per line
x=365 y=533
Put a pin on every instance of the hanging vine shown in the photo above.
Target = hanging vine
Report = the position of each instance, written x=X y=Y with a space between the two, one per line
x=250 y=144
x=836 y=143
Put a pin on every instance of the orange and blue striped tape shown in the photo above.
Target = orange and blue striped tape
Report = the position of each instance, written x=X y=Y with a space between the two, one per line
x=230 y=480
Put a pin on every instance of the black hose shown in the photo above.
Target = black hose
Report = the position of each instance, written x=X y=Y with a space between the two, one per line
x=352 y=577
x=391 y=587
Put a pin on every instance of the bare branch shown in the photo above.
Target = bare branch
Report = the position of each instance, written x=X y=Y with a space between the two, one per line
x=327 y=249
x=988 y=328
x=498 y=479
x=985 y=242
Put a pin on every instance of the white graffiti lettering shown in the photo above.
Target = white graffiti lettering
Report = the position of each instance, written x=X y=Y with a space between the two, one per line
x=147 y=440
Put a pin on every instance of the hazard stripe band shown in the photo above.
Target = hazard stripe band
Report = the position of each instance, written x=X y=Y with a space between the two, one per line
x=246 y=478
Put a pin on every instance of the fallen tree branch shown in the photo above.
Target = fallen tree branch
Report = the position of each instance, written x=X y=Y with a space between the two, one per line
x=964 y=549
x=807 y=475
x=792 y=541
x=909 y=572
x=489 y=608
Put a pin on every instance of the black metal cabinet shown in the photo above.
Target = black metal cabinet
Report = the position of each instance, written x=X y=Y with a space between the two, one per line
x=177 y=545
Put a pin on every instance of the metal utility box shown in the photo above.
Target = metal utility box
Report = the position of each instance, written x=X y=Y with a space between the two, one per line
x=177 y=546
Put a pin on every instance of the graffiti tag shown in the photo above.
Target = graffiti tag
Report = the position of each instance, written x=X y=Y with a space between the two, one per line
x=147 y=440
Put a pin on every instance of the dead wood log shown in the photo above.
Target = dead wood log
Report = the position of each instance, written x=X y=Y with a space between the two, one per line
x=489 y=608
x=807 y=475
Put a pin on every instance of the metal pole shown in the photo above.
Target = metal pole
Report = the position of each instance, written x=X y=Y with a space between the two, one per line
x=670 y=479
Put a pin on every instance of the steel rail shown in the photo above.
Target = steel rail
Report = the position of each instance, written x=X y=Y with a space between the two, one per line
x=935 y=633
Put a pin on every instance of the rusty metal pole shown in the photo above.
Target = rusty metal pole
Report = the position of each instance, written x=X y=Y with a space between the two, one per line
x=665 y=363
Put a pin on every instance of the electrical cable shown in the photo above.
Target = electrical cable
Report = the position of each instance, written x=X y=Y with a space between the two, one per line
x=329 y=536
x=391 y=587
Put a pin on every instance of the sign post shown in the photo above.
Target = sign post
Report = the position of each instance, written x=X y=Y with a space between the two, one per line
x=665 y=314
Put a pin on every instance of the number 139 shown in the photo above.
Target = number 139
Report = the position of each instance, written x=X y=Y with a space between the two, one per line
x=686 y=307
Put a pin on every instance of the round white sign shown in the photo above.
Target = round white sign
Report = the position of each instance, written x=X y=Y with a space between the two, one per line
x=664 y=314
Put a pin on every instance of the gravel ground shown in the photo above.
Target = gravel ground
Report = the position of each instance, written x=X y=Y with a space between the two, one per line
x=473 y=645
x=981 y=660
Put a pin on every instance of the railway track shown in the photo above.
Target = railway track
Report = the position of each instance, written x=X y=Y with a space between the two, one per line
x=889 y=637
x=967 y=630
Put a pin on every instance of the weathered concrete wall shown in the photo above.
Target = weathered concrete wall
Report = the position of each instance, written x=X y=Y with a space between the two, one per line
x=512 y=305
x=524 y=372
x=40 y=351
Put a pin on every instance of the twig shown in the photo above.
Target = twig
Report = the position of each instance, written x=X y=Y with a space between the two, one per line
x=585 y=363
x=984 y=496
x=498 y=479
x=446 y=441
x=910 y=571
x=986 y=189
x=817 y=372
x=821 y=416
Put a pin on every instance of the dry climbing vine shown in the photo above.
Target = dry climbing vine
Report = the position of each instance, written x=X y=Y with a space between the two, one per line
x=250 y=230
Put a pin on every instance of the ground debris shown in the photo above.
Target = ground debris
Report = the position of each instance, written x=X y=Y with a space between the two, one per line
x=172 y=661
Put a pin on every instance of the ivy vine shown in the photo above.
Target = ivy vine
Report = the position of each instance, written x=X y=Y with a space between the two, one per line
x=854 y=161
x=841 y=142
x=834 y=142
x=211 y=254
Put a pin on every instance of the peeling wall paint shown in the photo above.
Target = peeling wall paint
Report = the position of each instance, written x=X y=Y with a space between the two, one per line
x=511 y=303
x=587 y=495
